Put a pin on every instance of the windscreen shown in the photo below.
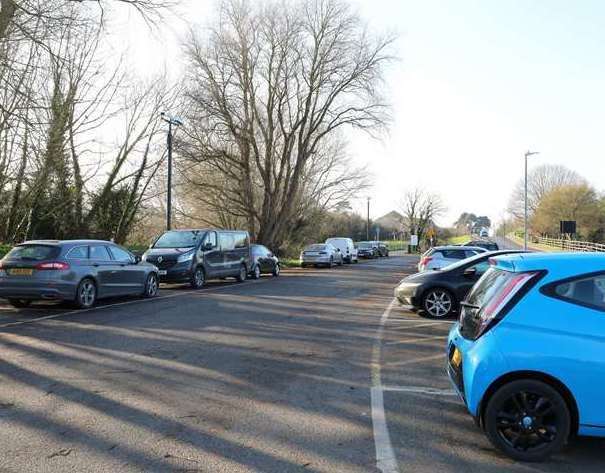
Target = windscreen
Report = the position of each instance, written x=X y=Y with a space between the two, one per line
x=315 y=248
x=179 y=239
x=33 y=252
x=364 y=244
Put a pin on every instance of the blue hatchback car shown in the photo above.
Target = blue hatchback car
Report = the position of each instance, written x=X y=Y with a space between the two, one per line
x=528 y=353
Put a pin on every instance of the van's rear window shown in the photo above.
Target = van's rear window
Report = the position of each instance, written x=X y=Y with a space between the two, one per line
x=33 y=252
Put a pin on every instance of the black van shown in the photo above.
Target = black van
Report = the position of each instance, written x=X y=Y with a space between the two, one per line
x=196 y=255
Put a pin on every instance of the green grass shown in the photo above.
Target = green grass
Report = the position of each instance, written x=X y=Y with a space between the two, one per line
x=289 y=262
x=4 y=249
x=533 y=246
x=458 y=240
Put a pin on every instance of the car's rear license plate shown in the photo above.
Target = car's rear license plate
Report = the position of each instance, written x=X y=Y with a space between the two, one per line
x=456 y=358
x=162 y=272
x=20 y=271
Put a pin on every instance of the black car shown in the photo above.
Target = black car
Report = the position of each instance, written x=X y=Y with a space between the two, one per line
x=262 y=261
x=487 y=244
x=439 y=293
x=367 y=249
x=383 y=249
x=196 y=255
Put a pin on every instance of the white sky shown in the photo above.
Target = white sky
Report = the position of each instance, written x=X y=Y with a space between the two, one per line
x=479 y=82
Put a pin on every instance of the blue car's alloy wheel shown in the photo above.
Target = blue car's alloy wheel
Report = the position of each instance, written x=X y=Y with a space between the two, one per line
x=528 y=420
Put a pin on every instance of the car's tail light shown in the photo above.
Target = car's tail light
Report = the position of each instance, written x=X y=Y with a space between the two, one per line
x=425 y=260
x=489 y=313
x=53 y=265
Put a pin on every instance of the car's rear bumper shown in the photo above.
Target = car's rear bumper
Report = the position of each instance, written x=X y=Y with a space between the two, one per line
x=318 y=260
x=36 y=290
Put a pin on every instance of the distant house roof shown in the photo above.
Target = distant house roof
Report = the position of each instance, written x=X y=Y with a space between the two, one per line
x=391 y=221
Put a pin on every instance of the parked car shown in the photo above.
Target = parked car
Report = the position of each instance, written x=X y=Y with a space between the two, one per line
x=528 y=354
x=197 y=255
x=78 y=271
x=321 y=254
x=367 y=249
x=487 y=244
x=383 y=249
x=346 y=247
x=263 y=261
x=441 y=256
x=438 y=293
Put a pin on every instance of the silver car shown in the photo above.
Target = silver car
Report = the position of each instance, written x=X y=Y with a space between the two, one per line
x=441 y=256
x=79 y=271
x=321 y=254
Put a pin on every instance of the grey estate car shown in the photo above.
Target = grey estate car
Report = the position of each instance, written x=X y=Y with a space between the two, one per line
x=80 y=271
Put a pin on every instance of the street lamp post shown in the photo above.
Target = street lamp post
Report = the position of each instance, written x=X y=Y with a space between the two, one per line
x=368 y=222
x=527 y=155
x=176 y=122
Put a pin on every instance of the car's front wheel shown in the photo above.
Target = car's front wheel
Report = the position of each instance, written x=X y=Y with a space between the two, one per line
x=19 y=303
x=243 y=273
x=276 y=270
x=151 y=286
x=86 y=294
x=438 y=303
x=527 y=419
x=198 y=278
x=256 y=272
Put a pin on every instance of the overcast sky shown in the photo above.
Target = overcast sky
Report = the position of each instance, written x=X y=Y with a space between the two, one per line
x=479 y=82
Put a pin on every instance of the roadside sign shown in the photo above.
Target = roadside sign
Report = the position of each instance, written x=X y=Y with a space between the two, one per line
x=414 y=240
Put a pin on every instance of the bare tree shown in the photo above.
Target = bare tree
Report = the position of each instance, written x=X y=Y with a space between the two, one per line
x=420 y=208
x=540 y=181
x=269 y=88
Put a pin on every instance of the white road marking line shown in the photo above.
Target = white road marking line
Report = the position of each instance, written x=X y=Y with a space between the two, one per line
x=417 y=339
x=434 y=322
x=385 y=456
x=420 y=390
x=118 y=304
x=428 y=324
x=417 y=360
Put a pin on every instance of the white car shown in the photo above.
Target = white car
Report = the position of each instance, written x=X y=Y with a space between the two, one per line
x=441 y=256
x=346 y=247
x=321 y=254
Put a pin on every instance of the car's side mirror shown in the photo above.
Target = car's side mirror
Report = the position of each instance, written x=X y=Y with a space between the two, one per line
x=207 y=246
x=472 y=271
x=137 y=259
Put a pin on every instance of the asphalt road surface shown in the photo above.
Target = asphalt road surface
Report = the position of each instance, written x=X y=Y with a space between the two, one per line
x=313 y=371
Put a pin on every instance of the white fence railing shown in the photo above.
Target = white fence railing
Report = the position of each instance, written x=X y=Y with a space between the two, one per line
x=569 y=245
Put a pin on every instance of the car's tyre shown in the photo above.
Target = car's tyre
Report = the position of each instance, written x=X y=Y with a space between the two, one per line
x=438 y=303
x=151 y=286
x=527 y=419
x=256 y=272
x=86 y=294
x=243 y=273
x=276 y=270
x=198 y=278
x=19 y=303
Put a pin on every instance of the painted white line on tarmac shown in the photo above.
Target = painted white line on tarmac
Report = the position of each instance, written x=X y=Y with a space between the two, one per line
x=420 y=390
x=417 y=339
x=426 y=324
x=385 y=456
x=119 y=304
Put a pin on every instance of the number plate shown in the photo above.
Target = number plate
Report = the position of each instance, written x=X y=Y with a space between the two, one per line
x=21 y=271
x=456 y=358
x=162 y=272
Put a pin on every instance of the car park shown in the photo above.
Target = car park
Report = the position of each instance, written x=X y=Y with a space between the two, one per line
x=367 y=249
x=438 y=293
x=263 y=261
x=528 y=354
x=320 y=254
x=197 y=255
x=347 y=248
x=489 y=245
x=78 y=271
x=441 y=256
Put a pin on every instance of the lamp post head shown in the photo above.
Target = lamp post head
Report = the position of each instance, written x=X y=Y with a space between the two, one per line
x=531 y=153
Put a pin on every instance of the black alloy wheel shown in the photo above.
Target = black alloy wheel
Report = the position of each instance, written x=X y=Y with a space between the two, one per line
x=198 y=278
x=528 y=420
